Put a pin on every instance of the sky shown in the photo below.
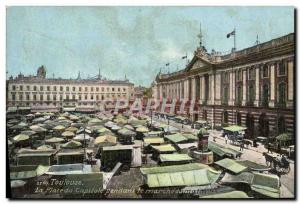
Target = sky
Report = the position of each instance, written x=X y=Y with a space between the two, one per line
x=132 y=41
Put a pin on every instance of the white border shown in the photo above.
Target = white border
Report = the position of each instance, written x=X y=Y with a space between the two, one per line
x=5 y=3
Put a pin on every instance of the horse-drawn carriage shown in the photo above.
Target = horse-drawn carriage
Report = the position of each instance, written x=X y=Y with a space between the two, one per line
x=280 y=164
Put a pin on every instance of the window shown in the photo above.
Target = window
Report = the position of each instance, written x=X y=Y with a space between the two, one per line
x=225 y=117
x=92 y=88
x=61 y=88
x=34 y=88
x=251 y=95
x=282 y=94
x=265 y=71
x=67 y=97
x=281 y=125
x=73 y=97
x=28 y=88
x=21 y=88
x=252 y=73
x=73 y=88
x=92 y=97
x=239 y=95
x=13 y=97
x=61 y=97
x=265 y=95
x=48 y=97
x=34 y=97
x=20 y=97
x=54 y=97
x=41 y=97
x=97 y=89
x=79 y=97
x=119 y=89
x=86 y=88
x=79 y=88
x=124 y=89
x=102 y=89
x=282 y=68
x=48 y=88
x=41 y=88
x=68 y=88
x=13 y=87
x=27 y=97
x=85 y=97
x=54 y=88
x=102 y=97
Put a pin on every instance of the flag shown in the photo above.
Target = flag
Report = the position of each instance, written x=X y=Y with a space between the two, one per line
x=167 y=64
x=230 y=34
x=184 y=57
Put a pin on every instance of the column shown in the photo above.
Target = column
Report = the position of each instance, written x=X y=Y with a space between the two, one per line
x=272 y=86
x=244 y=88
x=257 y=76
x=290 y=93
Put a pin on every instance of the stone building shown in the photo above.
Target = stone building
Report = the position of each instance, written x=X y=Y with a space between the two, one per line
x=253 y=87
x=39 y=93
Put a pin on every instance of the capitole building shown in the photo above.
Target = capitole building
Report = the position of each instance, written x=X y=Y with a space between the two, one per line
x=39 y=93
x=253 y=87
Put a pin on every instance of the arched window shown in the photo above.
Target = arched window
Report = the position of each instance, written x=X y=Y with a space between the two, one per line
x=281 y=94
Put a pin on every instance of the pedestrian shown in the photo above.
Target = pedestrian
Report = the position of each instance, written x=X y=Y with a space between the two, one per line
x=242 y=145
x=226 y=138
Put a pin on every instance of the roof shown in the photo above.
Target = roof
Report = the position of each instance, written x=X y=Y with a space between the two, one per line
x=106 y=138
x=118 y=147
x=173 y=168
x=231 y=165
x=174 y=157
x=235 y=128
x=164 y=148
x=266 y=184
x=65 y=169
x=27 y=171
x=185 y=178
x=221 y=150
x=154 y=140
x=176 y=138
x=232 y=194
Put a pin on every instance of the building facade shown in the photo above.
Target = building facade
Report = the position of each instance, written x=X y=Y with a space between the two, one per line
x=41 y=93
x=253 y=87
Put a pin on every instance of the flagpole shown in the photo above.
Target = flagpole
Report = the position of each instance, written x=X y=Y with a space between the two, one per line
x=234 y=48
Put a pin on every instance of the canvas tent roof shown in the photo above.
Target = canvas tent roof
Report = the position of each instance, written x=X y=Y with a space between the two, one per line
x=164 y=148
x=27 y=171
x=176 y=138
x=231 y=165
x=174 y=157
x=173 y=168
x=234 y=128
x=184 y=178
x=221 y=150
x=154 y=140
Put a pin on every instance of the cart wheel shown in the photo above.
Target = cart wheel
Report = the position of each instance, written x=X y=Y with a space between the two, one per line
x=287 y=170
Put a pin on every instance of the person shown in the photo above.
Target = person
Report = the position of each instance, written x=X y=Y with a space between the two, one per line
x=226 y=138
x=242 y=145
x=279 y=148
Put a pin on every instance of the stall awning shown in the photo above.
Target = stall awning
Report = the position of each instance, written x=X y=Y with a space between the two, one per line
x=69 y=109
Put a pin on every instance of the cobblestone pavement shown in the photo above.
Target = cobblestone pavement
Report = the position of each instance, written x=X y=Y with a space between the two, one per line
x=252 y=154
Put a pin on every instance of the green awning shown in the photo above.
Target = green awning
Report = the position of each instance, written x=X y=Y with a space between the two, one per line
x=71 y=145
x=164 y=148
x=20 y=137
x=266 y=184
x=229 y=195
x=231 y=165
x=186 y=178
x=173 y=168
x=234 y=128
x=176 y=138
x=27 y=171
x=154 y=140
x=221 y=150
x=174 y=157
x=284 y=137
